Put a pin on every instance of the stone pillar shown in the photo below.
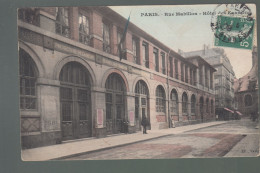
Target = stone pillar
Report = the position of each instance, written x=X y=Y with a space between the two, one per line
x=151 y=58
x=113 y=41
x=140 y=44
x=179 y=70
x=203 y=75
x=197 y=77
x=208 y=71
x=98 y=97
x=97 y=34
x=153 y=113
x=180 y=107
x=128 y=47
x=173 y=66
x=188 y=74
x=184 y=72
x=49 y=107
x=130 y=112
x=73 y=23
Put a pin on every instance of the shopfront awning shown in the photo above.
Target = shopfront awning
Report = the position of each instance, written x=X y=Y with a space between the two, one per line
x=238 y=113
x=229 y=110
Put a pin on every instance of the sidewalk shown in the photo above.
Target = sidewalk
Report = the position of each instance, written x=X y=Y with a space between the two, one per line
x=78 y=147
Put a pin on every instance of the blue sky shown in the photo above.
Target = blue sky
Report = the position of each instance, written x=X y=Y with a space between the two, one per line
x=187 y=33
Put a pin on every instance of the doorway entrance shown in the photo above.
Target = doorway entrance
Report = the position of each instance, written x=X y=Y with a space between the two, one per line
x=75 y=102
x=141 y=104
x=115 y=103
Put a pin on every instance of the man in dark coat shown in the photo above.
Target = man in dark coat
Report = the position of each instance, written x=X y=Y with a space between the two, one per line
x=144 y=123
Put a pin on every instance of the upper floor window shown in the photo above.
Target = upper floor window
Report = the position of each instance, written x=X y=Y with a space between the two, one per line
x=28 y=76
x=163 y=63
x=84 y=29
x=27 y=15
x=106 y=38
x=121 y=46
x=62 y=22
x=156 y=59
x=145 y=55
x=136 y=50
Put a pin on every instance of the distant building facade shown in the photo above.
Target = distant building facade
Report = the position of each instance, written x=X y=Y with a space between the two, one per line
x=246 y=90
x=223 y=79
x=74 y=85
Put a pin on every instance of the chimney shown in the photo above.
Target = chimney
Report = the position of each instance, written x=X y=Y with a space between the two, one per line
x=204 y=49
x=180 y=51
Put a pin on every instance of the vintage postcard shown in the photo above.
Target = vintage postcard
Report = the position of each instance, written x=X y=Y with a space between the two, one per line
x=138 y=82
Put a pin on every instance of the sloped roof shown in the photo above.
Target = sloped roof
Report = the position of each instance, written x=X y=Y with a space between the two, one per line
x=203 y=53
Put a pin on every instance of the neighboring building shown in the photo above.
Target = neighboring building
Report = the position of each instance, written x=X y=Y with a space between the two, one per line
x=246 y=90
x=223 y=79
x=73 y=84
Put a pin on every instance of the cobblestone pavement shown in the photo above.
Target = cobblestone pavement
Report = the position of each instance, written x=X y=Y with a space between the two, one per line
x=234 y=139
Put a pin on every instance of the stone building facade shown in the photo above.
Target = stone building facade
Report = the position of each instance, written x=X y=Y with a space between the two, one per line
x=74 y=85
x=223 y=79
x=246 y=90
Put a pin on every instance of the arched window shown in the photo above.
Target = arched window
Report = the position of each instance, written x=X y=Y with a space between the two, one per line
x=174 y=102
x=141 y=88
x=28 y=75
x=184 y=103
x=212 y=106
x=248 y=100
x=193 y=104
x=160 y=99
x=207 y=105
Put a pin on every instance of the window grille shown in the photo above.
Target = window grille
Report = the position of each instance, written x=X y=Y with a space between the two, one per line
x=84 y=36
x=106 y=38
x=160 y=99
x=184 y=103
x=62 y=22
x=28 y=76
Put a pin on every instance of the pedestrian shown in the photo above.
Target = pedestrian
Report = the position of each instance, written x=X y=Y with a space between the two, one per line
x=216 y=117
x=144 y=123
x=125 y=126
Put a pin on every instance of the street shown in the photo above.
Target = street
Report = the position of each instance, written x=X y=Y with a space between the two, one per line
x=237 y=138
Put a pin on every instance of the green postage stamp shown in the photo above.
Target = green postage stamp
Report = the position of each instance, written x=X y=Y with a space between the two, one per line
x=234 y=32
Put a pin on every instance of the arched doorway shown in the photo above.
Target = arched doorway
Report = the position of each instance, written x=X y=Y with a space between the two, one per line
x=193 y=104
x=115 y=103
x=184 y=104
x=141 y=103
x=201 y=107
x=174 y=104
x=75 y=99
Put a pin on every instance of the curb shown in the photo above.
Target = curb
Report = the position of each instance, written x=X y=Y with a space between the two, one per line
x=107 y=148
